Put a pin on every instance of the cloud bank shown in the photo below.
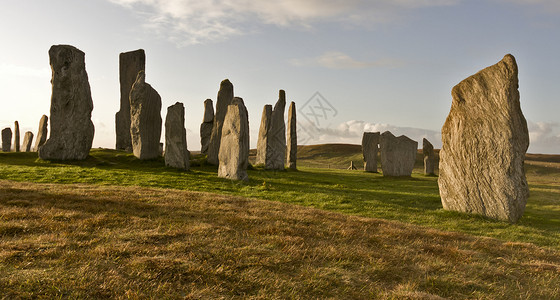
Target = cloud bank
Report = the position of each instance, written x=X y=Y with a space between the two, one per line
x=351 y=132
x=544 y=136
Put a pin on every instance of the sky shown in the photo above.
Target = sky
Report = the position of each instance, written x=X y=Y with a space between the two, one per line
x=349 y=65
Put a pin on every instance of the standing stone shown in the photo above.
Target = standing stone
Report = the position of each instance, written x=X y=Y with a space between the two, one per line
x=370 y=142
x=27 y=140
x=292 y=137
x=263 y=145
x=206 y=126
x=42 y=132
x=16 y=136
x=277 y=135
x=398 y=154
x=429 y=157
x=7 y=139
x=234 y=149
x=176 y=153
x=71 y=105
x=485 y=139
x=225 y=96
x=130 y=63
x=145 y=119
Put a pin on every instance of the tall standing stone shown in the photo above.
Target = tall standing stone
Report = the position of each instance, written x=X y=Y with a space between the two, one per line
x=206 y=126
x=42 y=132
x=429 y=157
x=234 y=149
x=71 y=127
x=263 y=140
x=130 y=63
x=145 y=119
x=370 y=148
x=16 y=136
x=277 y=135
x=225 y=96
x=27 y=140
x=485 y=139
x=176 y=153
x=398 y=154
x=292 y=137
x=7 y=139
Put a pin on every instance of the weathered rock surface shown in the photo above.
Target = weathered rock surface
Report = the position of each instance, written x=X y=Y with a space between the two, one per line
x=370 y=148
x=397 y=154
x=292 y=137
x=27 y=140
x=206 y=126
x=485 y=139
x=130 y=63
x=234 y=149
x=145 y=119
x=42 y=132
x=7 y=139
x=429 y=157
x=72 y=130
x=225 y=96
x=263 y=145
x=277 y=135
x=16 y=136
x=176 y=153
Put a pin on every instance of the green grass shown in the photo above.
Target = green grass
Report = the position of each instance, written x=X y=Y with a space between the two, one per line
x=412 y=200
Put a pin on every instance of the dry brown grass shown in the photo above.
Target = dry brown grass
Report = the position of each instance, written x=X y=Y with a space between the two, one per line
x=86 y=241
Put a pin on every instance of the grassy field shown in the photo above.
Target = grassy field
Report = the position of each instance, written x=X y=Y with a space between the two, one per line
x=114 y=226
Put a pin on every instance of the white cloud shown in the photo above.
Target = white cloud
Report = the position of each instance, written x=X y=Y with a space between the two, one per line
x=544 y=137
x=198 y=21
x=351 y=132
x=339 y=60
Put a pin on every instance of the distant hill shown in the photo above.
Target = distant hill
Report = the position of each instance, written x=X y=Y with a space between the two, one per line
x=338 y=156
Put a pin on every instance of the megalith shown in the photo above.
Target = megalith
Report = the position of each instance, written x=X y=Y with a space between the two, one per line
x=27 y=140
x=263 y=141
x=234 y=146
x=145 y=119
x=130 y=63
x=429 y=157
x=176 y=153
x=225 y=96
x=72 y=130
x=16 y=136
x=6 y=139
x=485 y=139
x=206 y=126
x=292 y=137
x=398 y=154
x=370 y=148
x=42 y=132
x=277 y=135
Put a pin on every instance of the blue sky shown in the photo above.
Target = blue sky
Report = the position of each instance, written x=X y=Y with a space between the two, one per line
x=377 y=65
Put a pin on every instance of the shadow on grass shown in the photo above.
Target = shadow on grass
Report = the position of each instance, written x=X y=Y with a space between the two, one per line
x=412 y=199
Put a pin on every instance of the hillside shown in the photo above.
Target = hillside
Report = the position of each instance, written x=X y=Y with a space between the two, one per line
x=116 y=227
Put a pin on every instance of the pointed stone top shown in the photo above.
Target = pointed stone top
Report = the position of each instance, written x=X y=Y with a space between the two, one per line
x=282 y=95
x=426 y=144
x=237 y=100
x=225 y=82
